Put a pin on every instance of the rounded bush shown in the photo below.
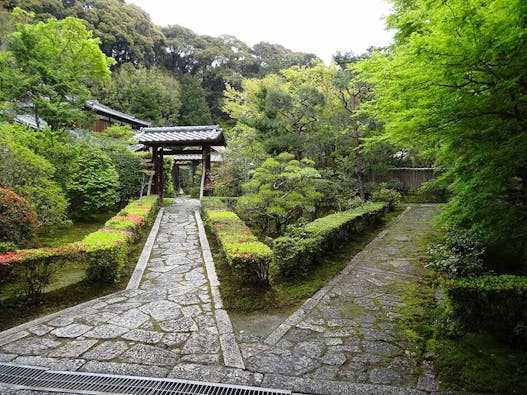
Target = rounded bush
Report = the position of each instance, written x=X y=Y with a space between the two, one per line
x=18 y=220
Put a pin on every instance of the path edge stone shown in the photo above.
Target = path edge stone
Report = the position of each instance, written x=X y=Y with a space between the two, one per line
x=232 y=356
x=295 y=318
x=140 y=267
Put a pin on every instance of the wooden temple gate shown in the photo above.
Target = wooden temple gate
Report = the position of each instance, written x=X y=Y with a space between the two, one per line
x=181 y=140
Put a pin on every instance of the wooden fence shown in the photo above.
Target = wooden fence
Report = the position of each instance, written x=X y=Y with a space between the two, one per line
x=410 y=177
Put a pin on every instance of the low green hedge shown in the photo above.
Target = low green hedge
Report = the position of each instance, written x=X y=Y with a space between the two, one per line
x=295 y=253
x=34 y=268
x=496 y=303
x=104 y=252
x=242 y=250
x=135 y=216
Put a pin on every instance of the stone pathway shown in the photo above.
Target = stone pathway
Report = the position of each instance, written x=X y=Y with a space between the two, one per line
x=168 y=327
x=347 y=332
x=343 y=340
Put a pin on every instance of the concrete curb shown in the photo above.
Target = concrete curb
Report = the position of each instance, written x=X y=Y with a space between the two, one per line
x=231 y=352
x=135 y=280
x=309 y=304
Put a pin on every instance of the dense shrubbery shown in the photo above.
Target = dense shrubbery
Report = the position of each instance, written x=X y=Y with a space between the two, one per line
x=496 y=303
x=460 y=255
x=390 y=196
x=34 y=268
x=243 y=252
x=18 y=220
x=107 y=249
x=130 y=168
x=281 y=191
x=298 y=250
x=31 y=176
x=92 y=185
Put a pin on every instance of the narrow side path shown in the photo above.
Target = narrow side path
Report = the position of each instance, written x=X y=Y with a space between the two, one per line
x=345 y=338
x=167 y=327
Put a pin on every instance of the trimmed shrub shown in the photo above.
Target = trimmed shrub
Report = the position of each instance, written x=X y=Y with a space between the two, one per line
x=106 y=250
x=390 y=196
x=105 y=254
x=135 y=216
x=295 y=252
x=496 y=303
x=35 y=268
x=250 y=258
x=18 y=220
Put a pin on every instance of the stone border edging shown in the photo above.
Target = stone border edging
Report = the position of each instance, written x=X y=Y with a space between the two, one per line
x=231 y=352
x=309 y=304
x=140 y=267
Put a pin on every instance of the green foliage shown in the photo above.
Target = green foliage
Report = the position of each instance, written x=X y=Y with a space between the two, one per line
x=52 y=64
x=36 y=267
x=30 y=175
x=194 y=108
x=105 y=254
x=135 y=216
x=495 y=303
x=281 y=191
x=461 y=254
x=130 y=168
x=297 y=251
x=249 y=258
x=18 y=220
x=93 y=183
x=390 y=196
x=149 y=94
x=453 y=84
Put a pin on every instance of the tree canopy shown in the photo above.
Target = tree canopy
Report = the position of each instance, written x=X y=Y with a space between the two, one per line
x=455 y=84
x=49 y=66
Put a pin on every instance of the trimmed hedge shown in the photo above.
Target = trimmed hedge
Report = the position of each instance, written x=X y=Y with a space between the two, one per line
x=242 y=250
x=35 y=267
x=104 y=252
x=295 y=253
x=496 y=303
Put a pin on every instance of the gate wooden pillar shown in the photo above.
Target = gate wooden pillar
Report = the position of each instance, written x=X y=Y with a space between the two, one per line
x=156 y=169
x=161 y=177
x=205 y=176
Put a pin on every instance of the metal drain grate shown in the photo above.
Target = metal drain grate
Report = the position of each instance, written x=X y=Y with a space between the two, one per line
x=90 y=383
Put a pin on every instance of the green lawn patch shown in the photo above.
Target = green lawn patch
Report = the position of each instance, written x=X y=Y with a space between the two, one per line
x=60 y=235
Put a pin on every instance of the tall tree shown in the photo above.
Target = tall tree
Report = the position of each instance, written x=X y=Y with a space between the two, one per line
x=194 y=109
x=50 y=67
x=149 y=94
x=455 y=83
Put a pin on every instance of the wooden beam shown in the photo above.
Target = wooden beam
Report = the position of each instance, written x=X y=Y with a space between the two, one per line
x=181 y=152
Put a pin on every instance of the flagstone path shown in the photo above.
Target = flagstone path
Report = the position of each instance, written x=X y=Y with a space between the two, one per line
x=171 y=321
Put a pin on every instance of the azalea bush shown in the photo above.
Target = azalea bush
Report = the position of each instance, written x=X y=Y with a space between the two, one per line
x=18 y=220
